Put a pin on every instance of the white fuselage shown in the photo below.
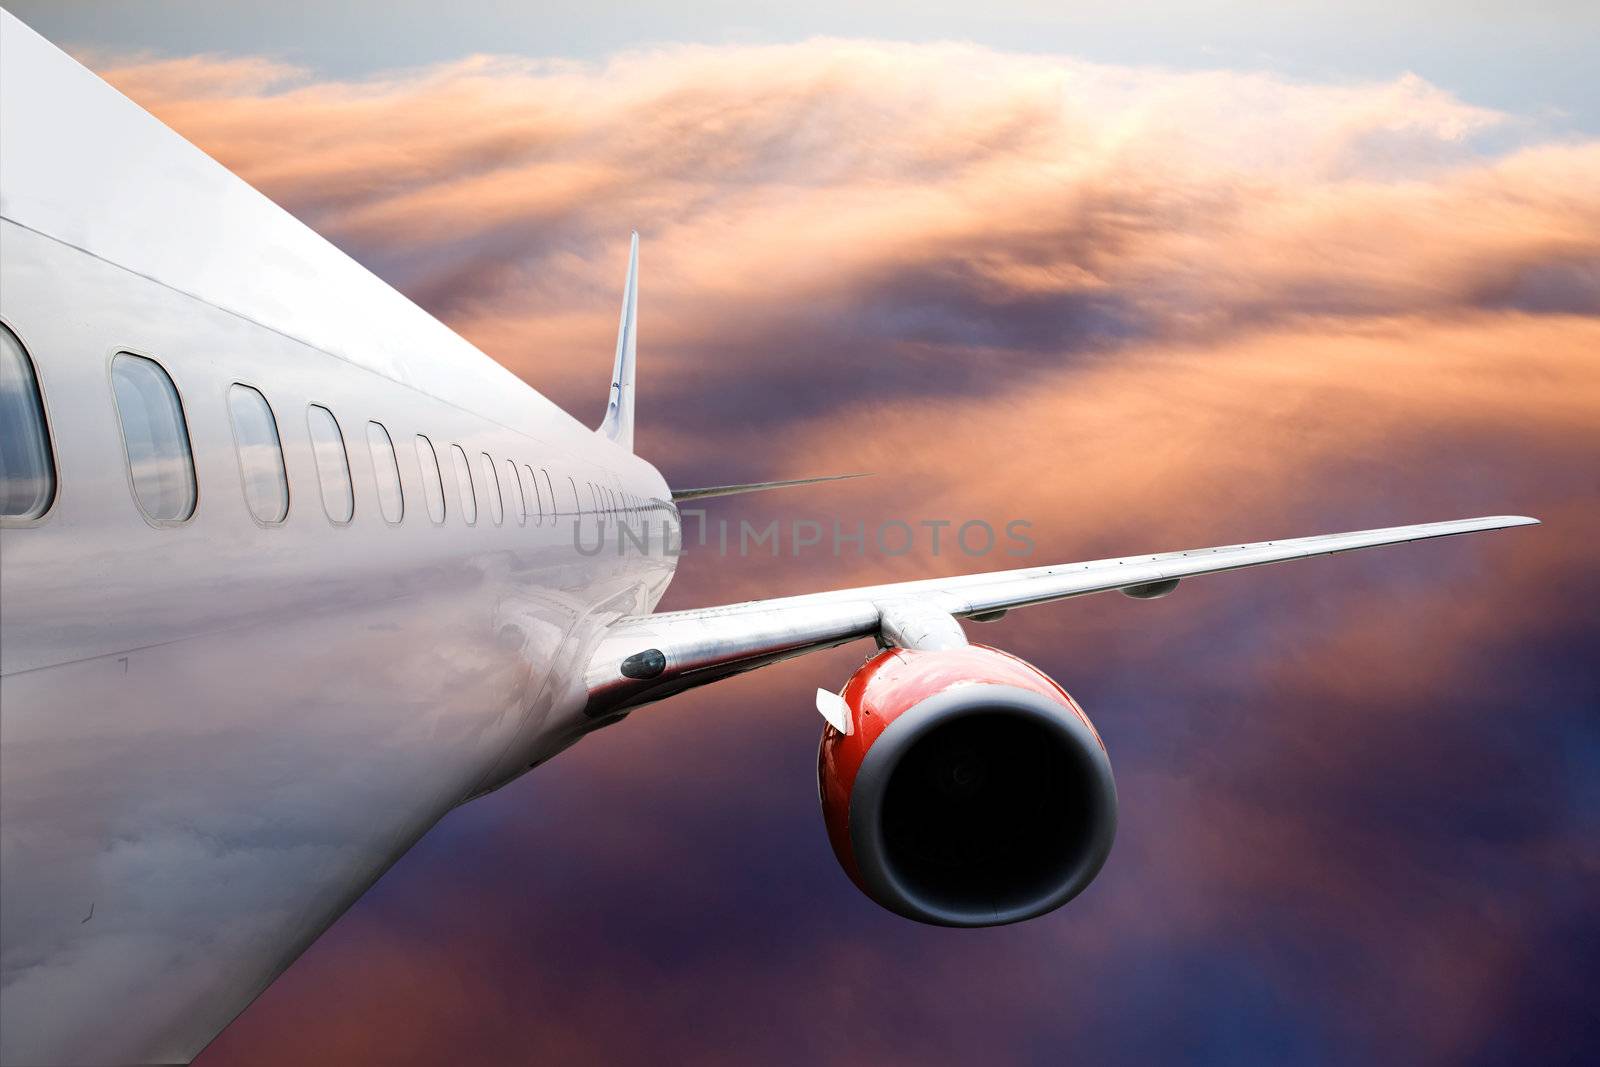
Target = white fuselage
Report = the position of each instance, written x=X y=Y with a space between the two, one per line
x=216 y=733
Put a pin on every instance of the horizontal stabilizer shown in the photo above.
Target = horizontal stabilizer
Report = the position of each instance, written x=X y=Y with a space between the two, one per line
x=755 y=487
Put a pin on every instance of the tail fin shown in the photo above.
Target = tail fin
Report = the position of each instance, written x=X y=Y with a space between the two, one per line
x=618 y=423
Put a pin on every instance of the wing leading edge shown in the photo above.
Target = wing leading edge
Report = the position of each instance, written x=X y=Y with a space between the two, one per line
x=646 y=658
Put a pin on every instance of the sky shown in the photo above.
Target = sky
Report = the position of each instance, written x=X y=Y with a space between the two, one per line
x=1154 y=280
x=1534 y=56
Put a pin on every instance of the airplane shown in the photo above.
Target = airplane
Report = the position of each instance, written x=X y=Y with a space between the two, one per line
x=289 y=570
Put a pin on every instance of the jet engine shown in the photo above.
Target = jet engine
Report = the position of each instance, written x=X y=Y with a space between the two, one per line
x=965 y=787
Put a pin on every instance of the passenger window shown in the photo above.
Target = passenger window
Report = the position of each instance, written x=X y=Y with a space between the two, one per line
x=333 y=464
x=27 y=469
x=538 y=498
x=255 y=435
x=432 y=484
x=469 y=499
x=386 y=469
x=156 y=438
x=520 y=498
x=491 y=489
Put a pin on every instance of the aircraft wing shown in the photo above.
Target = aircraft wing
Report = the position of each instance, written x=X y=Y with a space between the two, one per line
x=646 y=658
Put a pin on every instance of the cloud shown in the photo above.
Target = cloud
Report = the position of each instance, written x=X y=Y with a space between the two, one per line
x=187 y=79
x=1143 y=308
x=957 y=219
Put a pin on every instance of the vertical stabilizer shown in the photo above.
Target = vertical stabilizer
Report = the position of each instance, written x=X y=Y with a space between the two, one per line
x=618 y=424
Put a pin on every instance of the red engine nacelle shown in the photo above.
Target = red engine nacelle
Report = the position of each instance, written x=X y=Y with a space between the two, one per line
x=971 y=790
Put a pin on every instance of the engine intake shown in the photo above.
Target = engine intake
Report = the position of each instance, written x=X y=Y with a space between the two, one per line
x=971 y=790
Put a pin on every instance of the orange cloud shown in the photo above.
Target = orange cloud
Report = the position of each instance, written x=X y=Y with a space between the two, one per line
x=1144 y=309
x=950 y=216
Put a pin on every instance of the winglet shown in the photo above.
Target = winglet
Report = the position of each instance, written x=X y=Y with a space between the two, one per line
x=618 y=423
